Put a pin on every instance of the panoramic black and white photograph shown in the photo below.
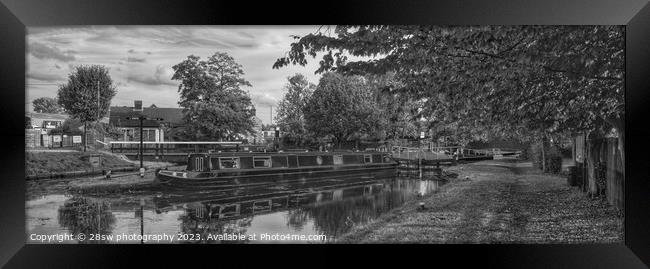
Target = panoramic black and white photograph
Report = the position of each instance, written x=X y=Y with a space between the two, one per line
x=319 y=134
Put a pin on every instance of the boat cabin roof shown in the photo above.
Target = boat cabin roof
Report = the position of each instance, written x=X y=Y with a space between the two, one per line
x=256 y=153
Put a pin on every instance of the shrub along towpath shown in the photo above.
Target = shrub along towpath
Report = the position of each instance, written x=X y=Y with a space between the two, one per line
x=497 y=202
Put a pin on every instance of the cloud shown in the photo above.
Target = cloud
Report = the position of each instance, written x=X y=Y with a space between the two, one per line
x=149 y=80
x=163 y=73
x=135 y=60
x=162 y=76
x=145 y=73
x=47 y=77
x=42 y=51
x=264 y=99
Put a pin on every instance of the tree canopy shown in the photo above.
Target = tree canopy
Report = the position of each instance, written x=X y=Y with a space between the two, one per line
x=46 y=105
x=216 y=107
x=341 y=107
x=85 y=85
x=290 y=115
x=524 y=81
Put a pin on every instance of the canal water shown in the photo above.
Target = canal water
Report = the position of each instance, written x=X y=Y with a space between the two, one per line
x=296 y=211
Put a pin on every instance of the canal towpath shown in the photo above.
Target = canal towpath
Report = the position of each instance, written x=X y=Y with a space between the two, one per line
x=497 y=201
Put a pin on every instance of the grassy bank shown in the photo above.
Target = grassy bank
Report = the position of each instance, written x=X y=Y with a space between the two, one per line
x=497 y=203
x=37 y=163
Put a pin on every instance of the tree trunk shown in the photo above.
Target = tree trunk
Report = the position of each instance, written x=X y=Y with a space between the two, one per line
x=619 y=125
x=543 y=154
x=621 y=148
x=85 y=137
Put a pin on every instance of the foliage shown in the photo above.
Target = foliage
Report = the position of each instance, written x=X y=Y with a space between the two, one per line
x=554 y=164
x=511 y=81
x=46 y=105
x=106 y=130
x=553 y=157
x=290 y=115
x=215 y=105
x=398 y=113
x=341 y=107
x=70 y=126
x=28 y=123
x=525 y=154
x=79 y=95
x=565 y=152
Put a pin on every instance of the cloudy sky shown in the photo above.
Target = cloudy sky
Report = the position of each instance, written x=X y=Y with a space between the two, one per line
x=140 y=58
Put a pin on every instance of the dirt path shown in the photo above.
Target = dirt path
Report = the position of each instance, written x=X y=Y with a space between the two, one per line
x=498 y=202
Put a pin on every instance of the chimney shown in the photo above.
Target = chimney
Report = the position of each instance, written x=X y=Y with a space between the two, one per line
x=137 y=106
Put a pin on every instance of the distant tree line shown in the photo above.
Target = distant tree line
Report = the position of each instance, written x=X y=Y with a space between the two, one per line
x=344 y=108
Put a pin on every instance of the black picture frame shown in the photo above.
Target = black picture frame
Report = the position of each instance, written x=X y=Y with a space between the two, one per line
x=16 y=15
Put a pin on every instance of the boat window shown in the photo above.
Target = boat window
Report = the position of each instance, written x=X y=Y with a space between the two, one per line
x=262 y=161
x=367 y=158
x=226 y=163
x=338 y=159
x=198 y=164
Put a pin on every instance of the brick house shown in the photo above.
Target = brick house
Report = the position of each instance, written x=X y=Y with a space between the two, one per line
x=153 y=131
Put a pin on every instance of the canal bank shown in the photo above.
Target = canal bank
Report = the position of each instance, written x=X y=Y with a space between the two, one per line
x=497 y=202
x=72 y=171
x=119 y=183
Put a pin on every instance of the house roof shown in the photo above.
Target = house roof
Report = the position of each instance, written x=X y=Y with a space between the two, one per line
x=169 y=115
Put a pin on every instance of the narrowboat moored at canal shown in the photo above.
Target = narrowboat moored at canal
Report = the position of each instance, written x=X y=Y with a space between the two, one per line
x=208 y=170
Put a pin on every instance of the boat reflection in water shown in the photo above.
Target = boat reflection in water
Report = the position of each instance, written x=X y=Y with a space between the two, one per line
x=330 y=206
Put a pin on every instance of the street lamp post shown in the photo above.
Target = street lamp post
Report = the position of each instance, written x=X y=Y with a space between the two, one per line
x=420 y=155
x=141 y=118
x=141 y=220
x=277 y=138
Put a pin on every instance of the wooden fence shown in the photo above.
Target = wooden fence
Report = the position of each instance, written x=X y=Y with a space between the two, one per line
x=602 y=170
x=35 y=138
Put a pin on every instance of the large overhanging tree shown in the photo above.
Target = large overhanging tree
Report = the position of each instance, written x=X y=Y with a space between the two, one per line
x=397 y=112
x=216 y=106
x=526 y=81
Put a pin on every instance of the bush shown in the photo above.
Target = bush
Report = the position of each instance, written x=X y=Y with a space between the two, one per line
x=107 y=130
x=525 y=154
x=553 y=158
x=565 y=152
x=69 y=127
x=554 y=163
x=535 y=155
